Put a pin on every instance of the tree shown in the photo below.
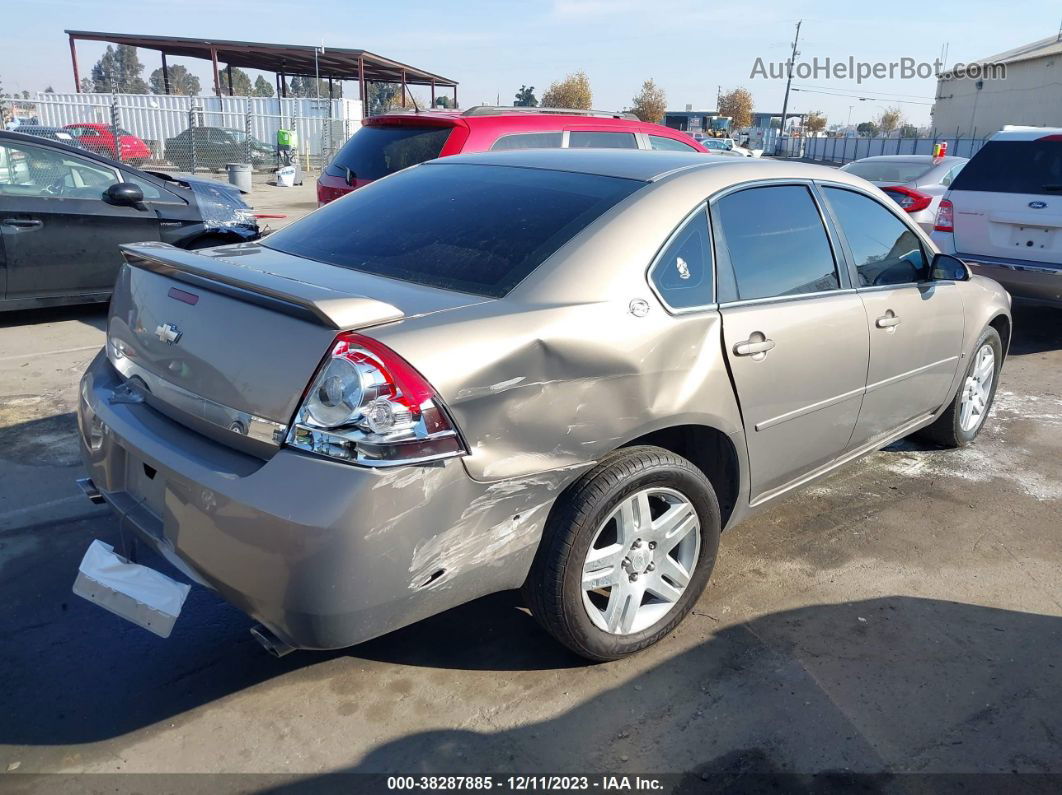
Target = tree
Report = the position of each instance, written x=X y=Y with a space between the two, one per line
x=815 y=121
x=241 y=82
x=525 y=97
x=49 y=90
x=262 y=87
x=571 y=92
x=382 y=97
x=446 y=102
x=650 y=104
x=182 y=82
x=118 y=70
x=867 y=129
x=908 y=131
x=737 y=104
x=87 y=86
x=890 y=120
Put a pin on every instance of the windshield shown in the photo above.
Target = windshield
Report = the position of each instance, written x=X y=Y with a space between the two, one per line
x=1014 y=167
x=888 y=170
x=374 y=152
x=472 y=228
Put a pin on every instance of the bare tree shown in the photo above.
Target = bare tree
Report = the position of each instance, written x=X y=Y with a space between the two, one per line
x=890 y=120
x=737 y=104
x=650 y=104
x=571 y=92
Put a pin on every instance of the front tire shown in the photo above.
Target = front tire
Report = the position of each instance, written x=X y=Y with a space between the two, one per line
x=965 y=416
x=625 y=554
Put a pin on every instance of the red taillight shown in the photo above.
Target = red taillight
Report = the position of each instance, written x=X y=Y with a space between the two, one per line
x=945 y=217
x=368 y=405
x=911 y=200
x=328 y=193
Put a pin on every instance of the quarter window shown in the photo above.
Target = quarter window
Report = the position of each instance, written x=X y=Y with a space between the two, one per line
x=668 y=144
x=885 y=249
x=683 y=272
x=776 y=243
x=540 y=140
x=583 y=139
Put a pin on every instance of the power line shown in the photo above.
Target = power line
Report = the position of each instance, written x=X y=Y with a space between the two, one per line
x=882 y=93
x=864 y=98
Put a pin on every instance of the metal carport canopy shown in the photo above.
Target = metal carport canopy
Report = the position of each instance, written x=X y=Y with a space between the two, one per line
x=287 y=59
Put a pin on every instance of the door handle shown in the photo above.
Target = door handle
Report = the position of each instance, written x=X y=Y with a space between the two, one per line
x=23 y=223
x=755 y=345
x=888 y=320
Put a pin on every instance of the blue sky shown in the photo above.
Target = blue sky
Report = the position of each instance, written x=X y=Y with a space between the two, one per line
x=690 y=48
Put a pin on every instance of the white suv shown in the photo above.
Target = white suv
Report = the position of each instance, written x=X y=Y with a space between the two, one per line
x=1003 y=214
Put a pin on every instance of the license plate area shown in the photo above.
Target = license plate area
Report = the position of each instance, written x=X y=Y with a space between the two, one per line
x=146 y=485
x=1030 y=238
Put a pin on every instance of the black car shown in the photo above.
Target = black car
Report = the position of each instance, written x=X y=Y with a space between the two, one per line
x=64 y=211
x=58 y=134
x=214 y=147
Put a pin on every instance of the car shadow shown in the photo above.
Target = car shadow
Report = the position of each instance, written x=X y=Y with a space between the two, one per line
x=887 y=685
x=94 y=315
x=1036 y=329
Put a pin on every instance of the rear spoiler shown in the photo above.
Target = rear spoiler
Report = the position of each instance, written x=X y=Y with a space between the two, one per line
x=219 y=274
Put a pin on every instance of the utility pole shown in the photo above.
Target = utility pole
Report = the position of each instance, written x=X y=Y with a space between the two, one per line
x=788 y=83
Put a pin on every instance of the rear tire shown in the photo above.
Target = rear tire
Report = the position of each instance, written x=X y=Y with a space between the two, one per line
x=625 y=554
x=965 y=416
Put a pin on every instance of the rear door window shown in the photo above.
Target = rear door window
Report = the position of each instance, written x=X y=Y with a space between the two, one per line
x=588 y=139
x=1015 y=167
x=668 y=144
x=374 y=152
x=474 y=228
x=537 y=140
x=776 y=243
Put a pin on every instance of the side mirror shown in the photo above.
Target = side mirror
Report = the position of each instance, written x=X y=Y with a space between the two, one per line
x=124 y=193
x=946 y=268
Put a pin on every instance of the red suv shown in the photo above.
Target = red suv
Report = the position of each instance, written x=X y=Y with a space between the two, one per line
x=99 y=138
x=394 y=141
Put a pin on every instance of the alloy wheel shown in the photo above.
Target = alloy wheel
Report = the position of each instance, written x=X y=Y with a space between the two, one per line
x=977 y=389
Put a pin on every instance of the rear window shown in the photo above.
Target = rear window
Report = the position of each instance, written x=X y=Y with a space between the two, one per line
x=472 y=228
x=1014 y=167
x=888 y=170
x=374 y=152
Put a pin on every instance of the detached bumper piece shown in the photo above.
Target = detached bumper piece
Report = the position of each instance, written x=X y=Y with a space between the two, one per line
x=144 y=596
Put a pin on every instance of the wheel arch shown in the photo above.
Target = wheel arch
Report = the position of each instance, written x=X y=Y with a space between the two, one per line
x=1001 y=323
x=711 y=451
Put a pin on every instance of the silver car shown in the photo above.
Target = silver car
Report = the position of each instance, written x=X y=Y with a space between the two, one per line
x=916 y=182
x=557 y=370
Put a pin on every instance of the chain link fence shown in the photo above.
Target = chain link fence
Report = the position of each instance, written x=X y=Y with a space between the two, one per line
x=192 y=134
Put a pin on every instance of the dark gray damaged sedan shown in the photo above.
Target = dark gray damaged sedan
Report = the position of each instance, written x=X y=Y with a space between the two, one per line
x=566 y=371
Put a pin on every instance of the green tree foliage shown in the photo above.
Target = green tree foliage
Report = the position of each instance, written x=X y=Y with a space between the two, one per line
x=383 y=97
x=241 y=82
x=262 y=87
x=445 y=102
x=867 y=129
x=182 y=82
x=118 y=70
x=525 y=98
x=650 y=103
x=571 y=92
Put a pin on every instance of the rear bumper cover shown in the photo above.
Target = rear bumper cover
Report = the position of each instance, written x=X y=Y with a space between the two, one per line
x=323 y=553
x=1035 y=281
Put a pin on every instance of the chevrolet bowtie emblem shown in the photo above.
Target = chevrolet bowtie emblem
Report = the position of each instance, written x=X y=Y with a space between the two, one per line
x=168 y=333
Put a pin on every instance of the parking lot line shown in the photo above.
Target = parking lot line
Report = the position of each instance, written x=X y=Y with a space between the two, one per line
x=49 y=353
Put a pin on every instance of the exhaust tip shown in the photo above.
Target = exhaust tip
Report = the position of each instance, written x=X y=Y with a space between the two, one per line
x=88 y=488
x=270 y=642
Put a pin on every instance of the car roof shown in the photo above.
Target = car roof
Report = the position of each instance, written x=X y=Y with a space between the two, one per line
x=642 y=165
x=1018 y=133
x=911 y=159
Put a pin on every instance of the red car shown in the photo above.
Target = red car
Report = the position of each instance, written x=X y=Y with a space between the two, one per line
x=99 y=138
x=394 y=141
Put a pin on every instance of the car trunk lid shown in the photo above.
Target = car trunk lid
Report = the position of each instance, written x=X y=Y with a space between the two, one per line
x=226 y=340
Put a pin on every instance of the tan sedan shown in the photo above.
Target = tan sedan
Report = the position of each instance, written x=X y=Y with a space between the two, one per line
x=566 y=371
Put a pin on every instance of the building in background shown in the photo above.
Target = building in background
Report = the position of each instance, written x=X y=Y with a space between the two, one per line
x=1031 y=93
